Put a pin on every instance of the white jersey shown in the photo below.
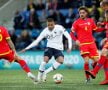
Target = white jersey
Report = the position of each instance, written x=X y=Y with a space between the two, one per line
x=54 y=38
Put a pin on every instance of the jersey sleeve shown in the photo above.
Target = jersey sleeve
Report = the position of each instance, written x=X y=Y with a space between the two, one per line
x=5 y=33
x=74 y=27
x=94 y=27
x=63 y=29
x=35 y=42
x=66 y=34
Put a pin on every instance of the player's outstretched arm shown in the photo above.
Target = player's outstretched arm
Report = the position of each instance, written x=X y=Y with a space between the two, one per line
x=66 y=34
x=23 y=50
x=34 y=43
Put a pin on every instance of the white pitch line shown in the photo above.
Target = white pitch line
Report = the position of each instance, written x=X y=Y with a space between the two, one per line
x=6 y=4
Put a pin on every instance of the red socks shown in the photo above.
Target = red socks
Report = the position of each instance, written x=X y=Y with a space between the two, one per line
x=86 y=68
x=94 y=64
x=106 y=69
x=99 y=64
x=24 y=66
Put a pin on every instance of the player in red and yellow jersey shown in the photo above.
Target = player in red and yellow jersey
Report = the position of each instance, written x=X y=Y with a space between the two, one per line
x=83 y=27
x=8 y=52
x=103 y=61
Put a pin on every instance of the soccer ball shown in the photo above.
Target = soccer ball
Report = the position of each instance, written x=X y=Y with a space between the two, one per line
x=58 y=78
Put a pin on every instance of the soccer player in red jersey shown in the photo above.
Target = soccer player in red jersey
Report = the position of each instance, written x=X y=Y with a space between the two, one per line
x=8 y=52
x=84 y=27
x=103 y=61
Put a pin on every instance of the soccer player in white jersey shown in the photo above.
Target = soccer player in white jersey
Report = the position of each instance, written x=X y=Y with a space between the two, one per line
x=54 y=34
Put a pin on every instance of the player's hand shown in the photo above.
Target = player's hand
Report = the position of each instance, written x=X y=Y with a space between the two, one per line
x=69 y=50
x=99 y=24
x=24 y=50
x=77 y=42
x=103 y=41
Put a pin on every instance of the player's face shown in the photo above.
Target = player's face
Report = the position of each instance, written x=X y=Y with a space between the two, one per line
x=104 y=7
x=50 y=25
x=83 y=14
x=106 y=16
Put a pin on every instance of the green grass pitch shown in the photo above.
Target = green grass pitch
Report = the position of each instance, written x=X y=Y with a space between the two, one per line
x=73 y=80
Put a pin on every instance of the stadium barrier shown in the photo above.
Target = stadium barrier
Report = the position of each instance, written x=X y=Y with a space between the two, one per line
x=72 y=60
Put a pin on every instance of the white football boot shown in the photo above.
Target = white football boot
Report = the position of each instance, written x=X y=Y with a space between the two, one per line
x=32 y=77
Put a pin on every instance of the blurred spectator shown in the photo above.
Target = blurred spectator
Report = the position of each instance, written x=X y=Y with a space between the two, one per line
x=33 y=20
x=24 y=40
x=96 y=2
x=31 y=5
x=70 y=18
x=42 y=18
x=54 y=4
x=13 y=36
x=60 y=19
x=52 y=14
x=65 y=4
x=63 y=12
x=95 y=13
x=51 y=4
x=40 y=5
x=48 y=5
x=18 y=20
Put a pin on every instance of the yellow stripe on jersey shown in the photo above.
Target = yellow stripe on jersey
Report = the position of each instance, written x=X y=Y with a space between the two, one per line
x=5 y=53
x=86 y=43
x=84 y=53
x=1 y=37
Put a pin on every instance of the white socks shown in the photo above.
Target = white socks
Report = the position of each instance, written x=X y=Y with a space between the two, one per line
x=54 y=67
x=42 y=66
x=30 y=75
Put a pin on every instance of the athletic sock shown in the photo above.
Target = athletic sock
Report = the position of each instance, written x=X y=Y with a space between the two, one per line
x=106 y=69
x=42 y=66
x=53 y=67
x=86 y=68
x=99 y=64
x=94 y=64
x=24 y=66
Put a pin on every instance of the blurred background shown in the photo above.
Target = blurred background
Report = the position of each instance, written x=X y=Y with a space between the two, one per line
x=25 y=19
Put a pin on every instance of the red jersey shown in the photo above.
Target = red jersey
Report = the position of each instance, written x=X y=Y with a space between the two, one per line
x=4 y=47
x=83 y=29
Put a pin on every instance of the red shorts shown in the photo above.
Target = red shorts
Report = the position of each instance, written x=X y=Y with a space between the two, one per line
x=106 y=45
x=89 y=49
x=9 y=56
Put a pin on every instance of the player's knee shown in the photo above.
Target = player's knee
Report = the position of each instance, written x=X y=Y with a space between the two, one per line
x=61 y=62
x=46 y=59
x=17 y=58
x=60 y=59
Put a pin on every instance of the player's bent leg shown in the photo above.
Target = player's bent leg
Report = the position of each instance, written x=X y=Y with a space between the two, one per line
x=95 y=60
x=57 y=63
x=25 y=68
x=42 y=68
x=100 y=63
x=105 y=66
